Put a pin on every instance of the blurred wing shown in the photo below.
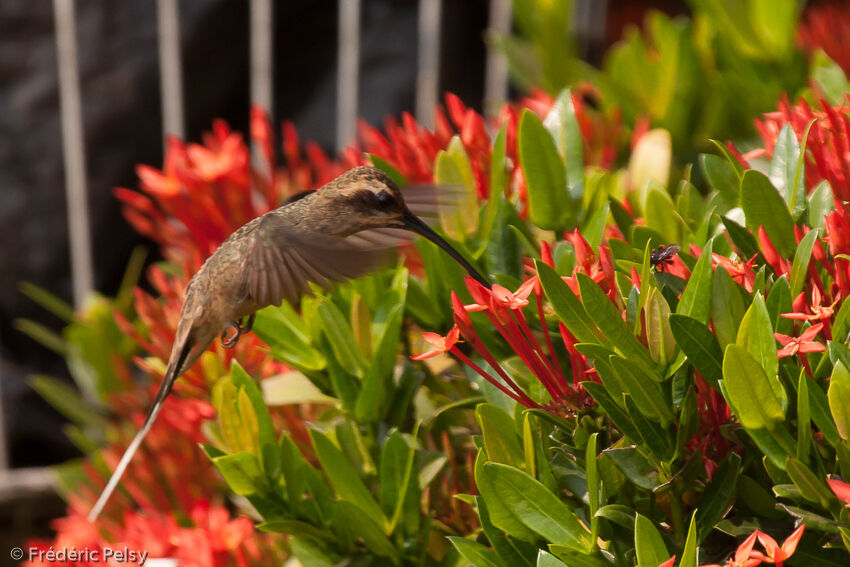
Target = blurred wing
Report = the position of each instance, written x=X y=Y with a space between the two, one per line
x=428 y=201
x=280 y=261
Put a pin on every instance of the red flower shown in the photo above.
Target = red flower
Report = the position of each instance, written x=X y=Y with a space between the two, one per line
x=802 y=344
x=840 y=488
x=441 y=344
x=818 y=311
x=775 y=553
x=743 y=555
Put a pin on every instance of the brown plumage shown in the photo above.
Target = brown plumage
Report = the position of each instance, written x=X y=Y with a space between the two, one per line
x=343 y=230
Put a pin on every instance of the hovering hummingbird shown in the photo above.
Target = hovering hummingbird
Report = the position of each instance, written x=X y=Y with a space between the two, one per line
x=342 y=230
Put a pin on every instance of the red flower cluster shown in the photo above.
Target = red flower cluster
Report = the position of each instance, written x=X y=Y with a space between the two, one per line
x=826 y=25
x=209 y=539
x=827 y=145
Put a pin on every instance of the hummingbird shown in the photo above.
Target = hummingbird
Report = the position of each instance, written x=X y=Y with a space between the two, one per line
x=340 y=231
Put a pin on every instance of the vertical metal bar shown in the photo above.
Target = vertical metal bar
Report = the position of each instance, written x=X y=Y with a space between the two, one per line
x=348 y=75
x=496 y=70
x=170 y=68
x=4 y=450
x=261 y=54
x=73 y=151
x=428 y=77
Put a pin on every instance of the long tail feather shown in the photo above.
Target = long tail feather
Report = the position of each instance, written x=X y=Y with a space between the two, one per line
x=164 y=389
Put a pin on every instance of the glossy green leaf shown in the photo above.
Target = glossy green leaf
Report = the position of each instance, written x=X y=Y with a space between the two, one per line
x=783 y=170
x=340 y=336
x=690 y=553
x=501 y=440
x=344 y=477
x=749 y=390
x=722 y=177
x=656 y=439
x=644 y=389
x=755 y=334
x=266 y=436
x=696 y=299
x=242 y=473
x=821 y=203
x=567 y=306
x=398 y=485
x=545 y=559
x=498 y=173
x=502 y=515
x=607 y=317
x=548 y=198
x=812 y=488
x=285 y=333
x=716 y=499
x=700 y=345
x=594 y=485
x=779 y=302
x=453 y=168
x=391 y=171
x=365 y=528
x=727 y=308
x=804 y=426
x=476 y=554
x=538 y=508
x=649 y=546
x=619 y=514
x=801 y=262
x=634 y=465
x=764 y=206
x=613 y=410
x=839 y=399
x=562 y=124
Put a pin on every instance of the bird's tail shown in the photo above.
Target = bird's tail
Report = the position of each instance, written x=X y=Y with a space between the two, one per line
x=165 y=388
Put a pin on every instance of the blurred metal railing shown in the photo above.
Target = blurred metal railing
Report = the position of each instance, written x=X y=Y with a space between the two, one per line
x=261 y=92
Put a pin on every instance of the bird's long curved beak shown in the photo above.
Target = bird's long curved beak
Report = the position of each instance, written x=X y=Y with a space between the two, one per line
x=417 y=225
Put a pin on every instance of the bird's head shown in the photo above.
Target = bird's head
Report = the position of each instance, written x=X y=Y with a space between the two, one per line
x=372 y=199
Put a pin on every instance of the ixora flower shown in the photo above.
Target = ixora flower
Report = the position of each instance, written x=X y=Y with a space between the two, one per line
x=773 y=552
x=743 y=555
x=840 y=488
x=802 y=344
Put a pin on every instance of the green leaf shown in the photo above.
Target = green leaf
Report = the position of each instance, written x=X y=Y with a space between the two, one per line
x=801 y=262
x=756 y=336
x=563 y=126
x=717 y=498
x=649 y=546
x=779 y=302
x=453 y=168
x=48 y=301
x=548 y=199
x=66 y=400
x=545 y=559
x=619 y=514
x=341 y=337
x=635 y=466
x=500 y=437
x=660 y=213
x=498 y=174
x=391 y=171
x=750 y=391
x=654 y=437
x=345 y=478
x=510 y=550
x=811 y=487
x=839 y=399
x=804 y=426
x=309 y=554
x=727 y=307
x=475 y=553
x=397 y=483
x=538 y=508
x=783 y=171
x=821 y=203
x=690 y=554
x=722 y=177
x=696 y=299
x=594 y=485
x=659 y=339
x=763 y=206
x=644 y=389
x=567 y=306
x=285 y=333
x=242 y=473
x=502 y=516
x=350 y=515
x=266 y=437
x=613 y=410
x=607 y=317
x=700 y=345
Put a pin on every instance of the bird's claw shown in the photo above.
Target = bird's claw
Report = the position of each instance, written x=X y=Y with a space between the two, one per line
x=239 y=328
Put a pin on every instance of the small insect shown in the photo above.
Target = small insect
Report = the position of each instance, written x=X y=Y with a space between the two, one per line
x=662 y=256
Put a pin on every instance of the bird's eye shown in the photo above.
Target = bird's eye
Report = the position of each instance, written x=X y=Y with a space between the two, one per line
x=384 y=198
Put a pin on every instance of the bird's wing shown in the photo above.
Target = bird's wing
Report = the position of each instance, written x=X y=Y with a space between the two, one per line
x=279 y=260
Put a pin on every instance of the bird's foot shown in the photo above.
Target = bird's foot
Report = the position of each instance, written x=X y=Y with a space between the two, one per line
x=239 y=328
